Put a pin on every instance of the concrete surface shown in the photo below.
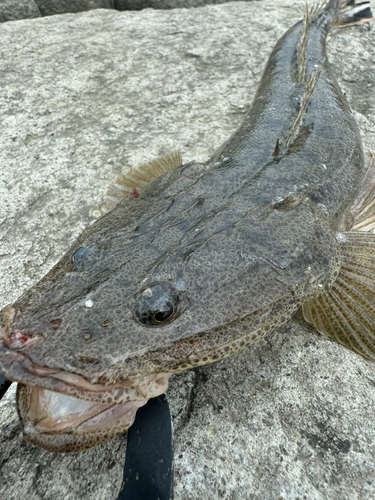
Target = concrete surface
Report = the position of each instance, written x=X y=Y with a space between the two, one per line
x=84 y=95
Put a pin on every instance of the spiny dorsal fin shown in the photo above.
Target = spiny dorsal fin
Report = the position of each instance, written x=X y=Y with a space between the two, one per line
x=302 y=47
x=276 y=151
x=137 y=177
x=310 y=86
x=316 y=9
x=346 y=313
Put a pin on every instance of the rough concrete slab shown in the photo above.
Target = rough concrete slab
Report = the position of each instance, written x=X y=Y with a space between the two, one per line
x=84 y=95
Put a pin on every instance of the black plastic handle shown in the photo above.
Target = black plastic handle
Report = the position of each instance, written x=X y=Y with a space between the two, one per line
x=4 y=385
x=148 y=470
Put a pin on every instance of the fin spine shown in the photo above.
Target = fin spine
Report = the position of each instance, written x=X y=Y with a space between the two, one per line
x=276 y=151
x=317 y=8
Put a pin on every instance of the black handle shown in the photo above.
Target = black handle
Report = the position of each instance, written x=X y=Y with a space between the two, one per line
x=4 y=385
x=148 y=470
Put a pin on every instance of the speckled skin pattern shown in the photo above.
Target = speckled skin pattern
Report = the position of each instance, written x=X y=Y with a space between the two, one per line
x=245 y=239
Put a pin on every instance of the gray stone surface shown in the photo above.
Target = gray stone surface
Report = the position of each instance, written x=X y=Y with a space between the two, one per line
x=11 y=10
x=82 y=96
x=51 y=7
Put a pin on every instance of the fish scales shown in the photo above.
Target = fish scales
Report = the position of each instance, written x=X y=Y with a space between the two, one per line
x=204 y=260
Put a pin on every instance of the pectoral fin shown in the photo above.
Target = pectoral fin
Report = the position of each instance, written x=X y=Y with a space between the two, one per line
x=362 y=212
x=347 y=312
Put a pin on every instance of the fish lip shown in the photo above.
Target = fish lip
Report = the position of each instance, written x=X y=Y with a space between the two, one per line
x=18 y=367
x=17 y=339
x=71 y=429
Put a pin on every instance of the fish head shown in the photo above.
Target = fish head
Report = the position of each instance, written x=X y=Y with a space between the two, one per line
x=138 y=298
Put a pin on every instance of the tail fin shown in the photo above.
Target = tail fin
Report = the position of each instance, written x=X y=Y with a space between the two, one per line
x=350 y=13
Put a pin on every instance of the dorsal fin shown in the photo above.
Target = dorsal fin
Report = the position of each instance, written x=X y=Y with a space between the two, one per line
x=137 y=177
x=302 y=46
x=347 y=12
x=276 y=151
x=310 y=86
x=317 y=8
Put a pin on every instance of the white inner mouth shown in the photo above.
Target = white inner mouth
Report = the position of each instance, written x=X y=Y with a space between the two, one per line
x=48 y=411
x=54 y=412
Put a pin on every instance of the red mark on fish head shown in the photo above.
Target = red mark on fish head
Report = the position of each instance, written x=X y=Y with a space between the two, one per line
x=16 y=339
x=134 y=193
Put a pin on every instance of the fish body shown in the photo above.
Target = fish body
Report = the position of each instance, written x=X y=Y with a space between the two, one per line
x=202 y=261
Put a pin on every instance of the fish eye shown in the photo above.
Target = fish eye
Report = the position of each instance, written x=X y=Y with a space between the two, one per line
x=84 y=258
x=156 y=305
x=78 y=253
x=161 y=316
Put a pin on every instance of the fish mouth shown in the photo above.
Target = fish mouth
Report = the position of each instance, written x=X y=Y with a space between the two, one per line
x=61 y=411
x=60 y=422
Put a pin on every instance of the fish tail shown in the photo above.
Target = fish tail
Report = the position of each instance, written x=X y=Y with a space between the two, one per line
x=335 y=13
x=348 y=12
x=324 y=15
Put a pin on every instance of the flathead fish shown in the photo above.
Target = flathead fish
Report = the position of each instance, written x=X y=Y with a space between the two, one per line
x=199 y=260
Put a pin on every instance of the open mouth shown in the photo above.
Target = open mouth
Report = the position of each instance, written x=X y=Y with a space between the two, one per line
x=61 y=422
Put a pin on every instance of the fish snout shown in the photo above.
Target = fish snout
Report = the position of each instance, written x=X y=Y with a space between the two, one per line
x=13 y=338
x=6 y=318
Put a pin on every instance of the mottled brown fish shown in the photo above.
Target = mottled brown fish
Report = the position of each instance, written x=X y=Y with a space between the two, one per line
x=206 y=258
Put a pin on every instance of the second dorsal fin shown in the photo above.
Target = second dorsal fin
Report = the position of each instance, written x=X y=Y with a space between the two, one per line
x=302 y=46
x=310 y=86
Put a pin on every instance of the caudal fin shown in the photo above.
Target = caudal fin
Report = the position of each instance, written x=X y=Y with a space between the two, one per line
x=349 y=13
